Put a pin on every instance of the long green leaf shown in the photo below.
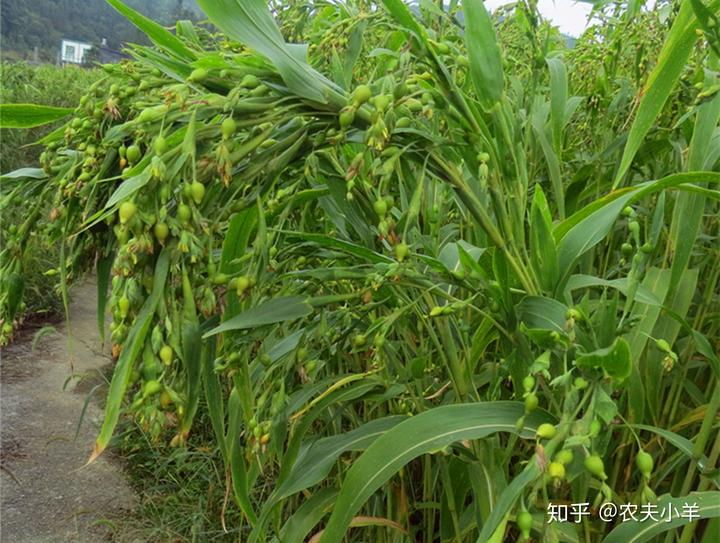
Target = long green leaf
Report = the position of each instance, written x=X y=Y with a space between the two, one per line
x=275 y=310
x=103 y=268
x=483 y=53
x=583 y=230
x=25 y=173
x=250 y=22
x=671 y=63
x=131 y=350
x=422 y=434
x=316 y=460
x=30 y=115
x=312 y=510
x=161 y=37
x=708 y=506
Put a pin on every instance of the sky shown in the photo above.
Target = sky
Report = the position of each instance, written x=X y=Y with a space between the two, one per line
x=569 y=16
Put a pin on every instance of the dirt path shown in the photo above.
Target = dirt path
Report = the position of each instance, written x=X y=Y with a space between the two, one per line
x=46 y=495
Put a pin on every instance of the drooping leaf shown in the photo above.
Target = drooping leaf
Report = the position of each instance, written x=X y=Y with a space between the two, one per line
x=270 y=312
x=250 y=22
x=131 y=350
x=161 y=37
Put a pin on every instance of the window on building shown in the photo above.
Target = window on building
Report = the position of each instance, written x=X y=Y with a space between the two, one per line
x=70 y=52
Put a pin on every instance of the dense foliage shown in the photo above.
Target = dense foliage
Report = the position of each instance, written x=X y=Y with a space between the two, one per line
x=27 y=24
x=45 y=84
x=412 y=278
x=55 y=86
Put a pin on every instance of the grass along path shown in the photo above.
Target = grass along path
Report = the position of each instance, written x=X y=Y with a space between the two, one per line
x=46 y=493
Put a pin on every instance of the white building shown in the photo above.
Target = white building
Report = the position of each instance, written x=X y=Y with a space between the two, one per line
x=73 y=51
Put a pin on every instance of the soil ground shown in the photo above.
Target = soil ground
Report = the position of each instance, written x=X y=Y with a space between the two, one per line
x=47 y=494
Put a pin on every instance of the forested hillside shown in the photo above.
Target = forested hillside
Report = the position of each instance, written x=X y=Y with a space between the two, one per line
x=27 y=24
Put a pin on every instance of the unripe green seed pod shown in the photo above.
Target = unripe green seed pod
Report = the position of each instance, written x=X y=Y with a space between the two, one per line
x=401 y=251
x=556 y=470
x=663 y=345
x=359 y=341
x=133 y=154
x=124 y=306
x=243 y=283
x=160 y=145
x=565 y=456
x=380 y=206
x=197 y=190
x=219 y=279
x=228 y=127
x=594 y=464
x=645 y=463
x=250 y=81
x=528 y=383
x=166 y=354
x=127 y=211
x=382 y=101
x=524 y=522
x=161 y=231
x=151 y=388
x=362 y=94
x=546 y=431
x=347 y=116
x=184 y=213
x=531 y=402
x=198 y=74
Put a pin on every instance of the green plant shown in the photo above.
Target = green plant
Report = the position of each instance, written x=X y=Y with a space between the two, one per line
x=433 y=278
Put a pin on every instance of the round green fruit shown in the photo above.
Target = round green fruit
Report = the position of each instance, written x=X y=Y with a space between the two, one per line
x=151 y=388
x=564 y=457
x=126 y=212
x=594 y=464
x=161 y=231
x=160 y=145
x=546 y=431
x=228 y=127
x=528 y=383
x=124 y=306
x=401 y=251
x=184 y=212
x=166 y=354
x=197 y=191
x=524 y=521
x=362 y=94
x=198 y=74
x=133 y=154
x=380 y=206
x=531 y=402
x=556 y=470
x=644 y=462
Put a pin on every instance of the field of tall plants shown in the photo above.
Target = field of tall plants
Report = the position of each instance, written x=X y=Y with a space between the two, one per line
x=415 y=272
